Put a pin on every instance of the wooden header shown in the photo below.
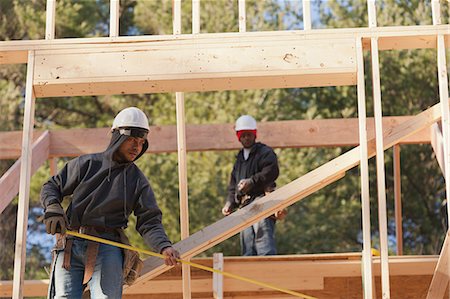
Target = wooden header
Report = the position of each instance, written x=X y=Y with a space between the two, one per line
x=389 y=38
x=245 y=63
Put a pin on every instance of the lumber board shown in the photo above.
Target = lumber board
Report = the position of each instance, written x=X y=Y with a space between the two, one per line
x=398 y=200
x=24 y=185
x=364 y=176
x=300 y=267
x=189 y=68
x=9 y=182
x=438 y=145
x=50 y=19
x=381 y=181
x=216 y=137
x=114 y=15
x=389 y=38
x=440 y=278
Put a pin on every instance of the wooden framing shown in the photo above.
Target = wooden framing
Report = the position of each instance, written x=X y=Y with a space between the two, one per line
x=364 y=167
x=437 y=143
x=389 y=38
x=285 y=196
x=218 y=278
x=306 y=14
x=440 y=279
x=25 y=177
x=216 y=137
x=381 y=184
x=50 y=19
x=195 y=16
x=182 y=160
x=231 y=61
x=9 y=182
x=114 y=14
x=398 y=200
x=277 y=64
x=242 y=16
x=294 y=271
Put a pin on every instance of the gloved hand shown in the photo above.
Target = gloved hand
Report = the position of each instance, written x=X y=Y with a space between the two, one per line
x=226 y=210
x=55 y=219
x=245 y=185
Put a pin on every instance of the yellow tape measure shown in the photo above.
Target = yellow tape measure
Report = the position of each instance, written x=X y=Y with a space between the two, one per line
x=148 y=252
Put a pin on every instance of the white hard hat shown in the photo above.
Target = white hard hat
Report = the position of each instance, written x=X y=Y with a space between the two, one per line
x=131 y=117
x=245 y=122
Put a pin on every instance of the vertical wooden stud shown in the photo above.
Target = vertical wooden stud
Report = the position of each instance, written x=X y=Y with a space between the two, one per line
x=24 y=188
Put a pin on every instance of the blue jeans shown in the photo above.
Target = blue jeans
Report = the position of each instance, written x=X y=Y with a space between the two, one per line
x=106 y=281
x=259 y=239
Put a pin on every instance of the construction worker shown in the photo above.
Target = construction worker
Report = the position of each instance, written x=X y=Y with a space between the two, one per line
x=254 y=173
x=105 y=188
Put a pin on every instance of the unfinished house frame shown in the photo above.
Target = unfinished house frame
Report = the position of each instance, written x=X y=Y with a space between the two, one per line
x=233 y=61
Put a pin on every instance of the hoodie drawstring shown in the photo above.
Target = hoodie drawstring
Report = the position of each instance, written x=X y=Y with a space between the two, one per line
x=125 y=193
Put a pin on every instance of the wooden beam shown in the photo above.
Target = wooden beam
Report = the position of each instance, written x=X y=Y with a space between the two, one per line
x=440 y=279
x=306 y=14
x=216 y=137
x=398 y=200
x=368 y=288
x=50 y=20
x=285 y=196
x=242 y=16
x=9 y=182
x=53 y=164
x=443 y=96
x=437 y=143
x=381 y=180
x=114 y=15
x=187 y=68
x=182 y=160
x=218 y=278
x=389 y=38
x=183 y=187
x=290 y=270
x=24 y=187
x=436 y=12
x=195 y=16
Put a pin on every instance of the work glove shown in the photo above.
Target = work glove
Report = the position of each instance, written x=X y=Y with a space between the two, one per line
x=226 y=210
x=245 y=185
x=55 y=219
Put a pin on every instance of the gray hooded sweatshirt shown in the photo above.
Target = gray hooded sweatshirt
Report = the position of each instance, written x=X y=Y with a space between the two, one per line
x=104 y=194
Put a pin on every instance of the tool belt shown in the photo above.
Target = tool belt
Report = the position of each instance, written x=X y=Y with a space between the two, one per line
x=132 y=264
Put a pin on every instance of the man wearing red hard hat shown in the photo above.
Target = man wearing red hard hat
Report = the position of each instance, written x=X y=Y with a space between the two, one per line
x=254 y=173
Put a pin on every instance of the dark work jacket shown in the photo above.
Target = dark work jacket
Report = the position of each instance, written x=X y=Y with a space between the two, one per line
x=105 y=193
x=261 y=166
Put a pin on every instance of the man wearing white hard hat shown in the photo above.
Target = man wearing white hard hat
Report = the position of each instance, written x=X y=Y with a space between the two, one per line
x=104 y=189
x=254 y=173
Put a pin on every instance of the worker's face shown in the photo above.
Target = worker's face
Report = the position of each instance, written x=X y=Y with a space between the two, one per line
x=247 y=139
x=129 y=149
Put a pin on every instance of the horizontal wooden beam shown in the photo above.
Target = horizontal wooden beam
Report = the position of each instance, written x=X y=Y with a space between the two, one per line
x=286 y=195
x=389 y=37
x=293 y=272
x=9 y=182
x=160 y=68
x=216 y=137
